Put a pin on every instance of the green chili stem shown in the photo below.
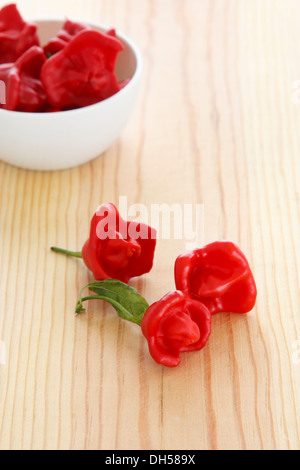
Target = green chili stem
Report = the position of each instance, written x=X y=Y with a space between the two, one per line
x=128 y=317
x=76 y=254
x=91 y=297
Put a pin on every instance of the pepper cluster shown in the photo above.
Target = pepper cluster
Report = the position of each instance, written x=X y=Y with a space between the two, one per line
x=73 y=70
x=212 y=279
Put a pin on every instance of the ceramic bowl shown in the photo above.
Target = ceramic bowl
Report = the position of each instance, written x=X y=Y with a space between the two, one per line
x=60 y=140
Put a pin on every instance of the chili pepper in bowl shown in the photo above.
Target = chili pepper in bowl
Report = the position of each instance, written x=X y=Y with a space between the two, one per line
x=217 y=275
x=82 y=73
x=24 y=90
x=16 y=35
x=80 y=70
x=68 y=31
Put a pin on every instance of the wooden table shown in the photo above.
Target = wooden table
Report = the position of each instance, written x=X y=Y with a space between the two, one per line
x=218 y=124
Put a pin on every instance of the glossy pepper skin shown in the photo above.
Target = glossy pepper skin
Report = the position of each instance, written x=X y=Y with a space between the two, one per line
x=68 y=31
x=82 y=73
x=116 y=254
x=16 y=35
x=174 y=324
x=24 y=90
x=219 y=276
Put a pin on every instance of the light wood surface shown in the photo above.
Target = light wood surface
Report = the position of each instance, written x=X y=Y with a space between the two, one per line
x=218 y=124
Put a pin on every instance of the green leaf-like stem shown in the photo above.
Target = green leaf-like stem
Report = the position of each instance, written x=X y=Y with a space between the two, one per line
x=127 y=301
x=76 y=254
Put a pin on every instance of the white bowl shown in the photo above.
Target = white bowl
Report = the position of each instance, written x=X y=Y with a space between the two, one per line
x=55 y=141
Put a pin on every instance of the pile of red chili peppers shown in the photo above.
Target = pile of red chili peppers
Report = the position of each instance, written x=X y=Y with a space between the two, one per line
x=214 y=278
x=74 y=70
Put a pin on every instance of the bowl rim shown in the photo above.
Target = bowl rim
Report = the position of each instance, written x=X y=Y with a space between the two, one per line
x=135 y=77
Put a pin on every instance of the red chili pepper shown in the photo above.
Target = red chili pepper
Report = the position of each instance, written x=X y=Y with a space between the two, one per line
x=68 y=31
x=82 y=73
x=24 y=90
x=118 y=255
x=112 y=32
x=16 y=35
x=116 y=249
x=175 y=324
x=219 y=276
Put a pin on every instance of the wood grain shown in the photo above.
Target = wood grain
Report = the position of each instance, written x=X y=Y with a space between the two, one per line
x=215 y=125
